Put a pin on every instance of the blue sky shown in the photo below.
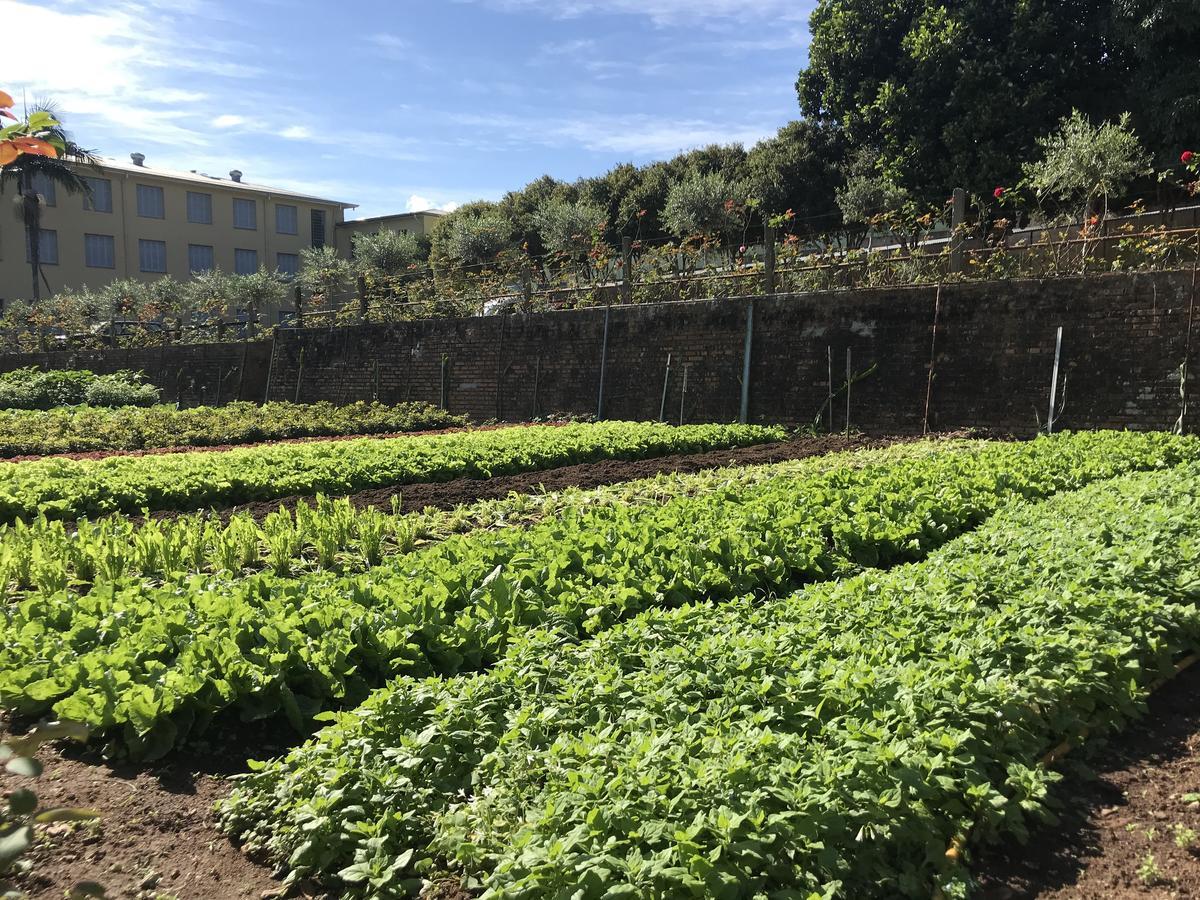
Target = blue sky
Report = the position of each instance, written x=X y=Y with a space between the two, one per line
x=411 y=103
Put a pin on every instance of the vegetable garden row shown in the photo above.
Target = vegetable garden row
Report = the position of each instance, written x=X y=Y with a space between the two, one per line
x=798 y=680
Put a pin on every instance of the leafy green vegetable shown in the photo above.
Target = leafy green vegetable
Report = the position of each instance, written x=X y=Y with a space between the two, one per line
x=89 y=428
x=69 y=489
x=826 y=744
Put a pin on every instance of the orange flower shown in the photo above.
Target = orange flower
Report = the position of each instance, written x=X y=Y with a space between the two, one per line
x=6 y=100
x=8 y=152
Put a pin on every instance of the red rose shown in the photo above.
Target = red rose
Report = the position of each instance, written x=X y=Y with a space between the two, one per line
x=998 y=193
x=1186 y=157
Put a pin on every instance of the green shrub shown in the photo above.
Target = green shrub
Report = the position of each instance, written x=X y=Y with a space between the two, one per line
x=32 y=388
x=120 y=390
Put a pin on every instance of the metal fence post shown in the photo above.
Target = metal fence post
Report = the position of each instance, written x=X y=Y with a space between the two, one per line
x=1054 y=382
x=626 y=269
x=744 y=414
x=603 y=366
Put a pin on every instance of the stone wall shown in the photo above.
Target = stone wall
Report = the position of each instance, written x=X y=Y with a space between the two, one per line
x=191 y=374
x=992 y=353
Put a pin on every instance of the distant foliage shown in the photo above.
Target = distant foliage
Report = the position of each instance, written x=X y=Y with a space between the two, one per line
x=31 y=388
x=710 y=205
x=569 y=228
x=386 y=252
x=1083 y=165
x=478 y=240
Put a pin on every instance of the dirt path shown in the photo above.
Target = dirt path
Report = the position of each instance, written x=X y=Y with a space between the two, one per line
x=157 y=837
x=449 y=494
x=1120 y=834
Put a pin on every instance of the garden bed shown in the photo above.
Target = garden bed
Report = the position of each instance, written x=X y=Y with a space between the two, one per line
x=1117 y=833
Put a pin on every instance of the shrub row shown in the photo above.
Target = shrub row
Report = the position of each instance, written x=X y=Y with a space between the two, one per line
x=32 y=388
x=827 y=744
x=148 y=665
x=87 y=428
x=67 y=489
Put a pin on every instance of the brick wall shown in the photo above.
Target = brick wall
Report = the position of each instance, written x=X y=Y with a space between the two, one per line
x=191 y=375
x=1123 y=343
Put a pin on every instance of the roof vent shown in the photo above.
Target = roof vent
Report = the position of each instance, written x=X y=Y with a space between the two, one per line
x=139 y=159
x=235 y=174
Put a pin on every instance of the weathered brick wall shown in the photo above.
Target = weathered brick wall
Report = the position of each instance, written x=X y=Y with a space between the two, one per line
x=1123 y=344
x=191 y=375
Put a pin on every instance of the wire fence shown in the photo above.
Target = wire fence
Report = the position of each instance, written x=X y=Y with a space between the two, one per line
x=637 y=274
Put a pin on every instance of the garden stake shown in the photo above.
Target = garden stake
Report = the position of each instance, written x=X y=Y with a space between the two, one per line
x=603 y=366
x=829 y=399
x=537 y=374
x=1054 y=381
x=937 y=306
x=299 y=375
x=662 y=407
x=848 y=376
x=1187 y=345
x=683 y=393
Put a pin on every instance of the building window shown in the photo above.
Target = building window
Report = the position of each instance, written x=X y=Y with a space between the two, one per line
x=99 y=251
x=286 y=220
x=287 y=263
x=100 y=200
x=318 y=227
x=245 y=262
x=245 y=214
x=150 y=202
x=152 y=256
x=47 y=246
x=44 y=186
x=199 y=208
x=200 y=258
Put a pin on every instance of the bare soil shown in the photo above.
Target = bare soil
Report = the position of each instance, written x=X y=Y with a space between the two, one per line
x=1118 y=829
x=157 y=836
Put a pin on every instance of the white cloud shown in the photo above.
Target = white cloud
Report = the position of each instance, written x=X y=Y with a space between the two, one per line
x=228 y=121
x=639 y=136
x=297 y=133
x=417 y=203
x=663 y=12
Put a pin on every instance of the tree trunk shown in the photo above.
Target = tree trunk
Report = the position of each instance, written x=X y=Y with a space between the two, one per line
x=31 y=212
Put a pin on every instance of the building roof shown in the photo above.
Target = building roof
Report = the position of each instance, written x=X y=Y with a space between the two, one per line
x=390 y=216
x=210 y=180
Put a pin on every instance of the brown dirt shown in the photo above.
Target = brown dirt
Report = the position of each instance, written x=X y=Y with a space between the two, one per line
x=449 y=494
x=1110 y=824
x=157 y=836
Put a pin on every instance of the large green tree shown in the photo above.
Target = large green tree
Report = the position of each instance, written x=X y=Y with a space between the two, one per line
x=956 y=92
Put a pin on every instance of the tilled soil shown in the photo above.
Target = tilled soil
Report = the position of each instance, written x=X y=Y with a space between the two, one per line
x=449 y=494
x=157 y=836
x=1131 y=832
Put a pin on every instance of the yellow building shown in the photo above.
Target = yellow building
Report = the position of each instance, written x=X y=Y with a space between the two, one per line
x=143 y=222
x=418 y=223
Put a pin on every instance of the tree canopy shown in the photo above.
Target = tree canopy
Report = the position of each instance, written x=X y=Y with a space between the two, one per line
x=957 y=92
